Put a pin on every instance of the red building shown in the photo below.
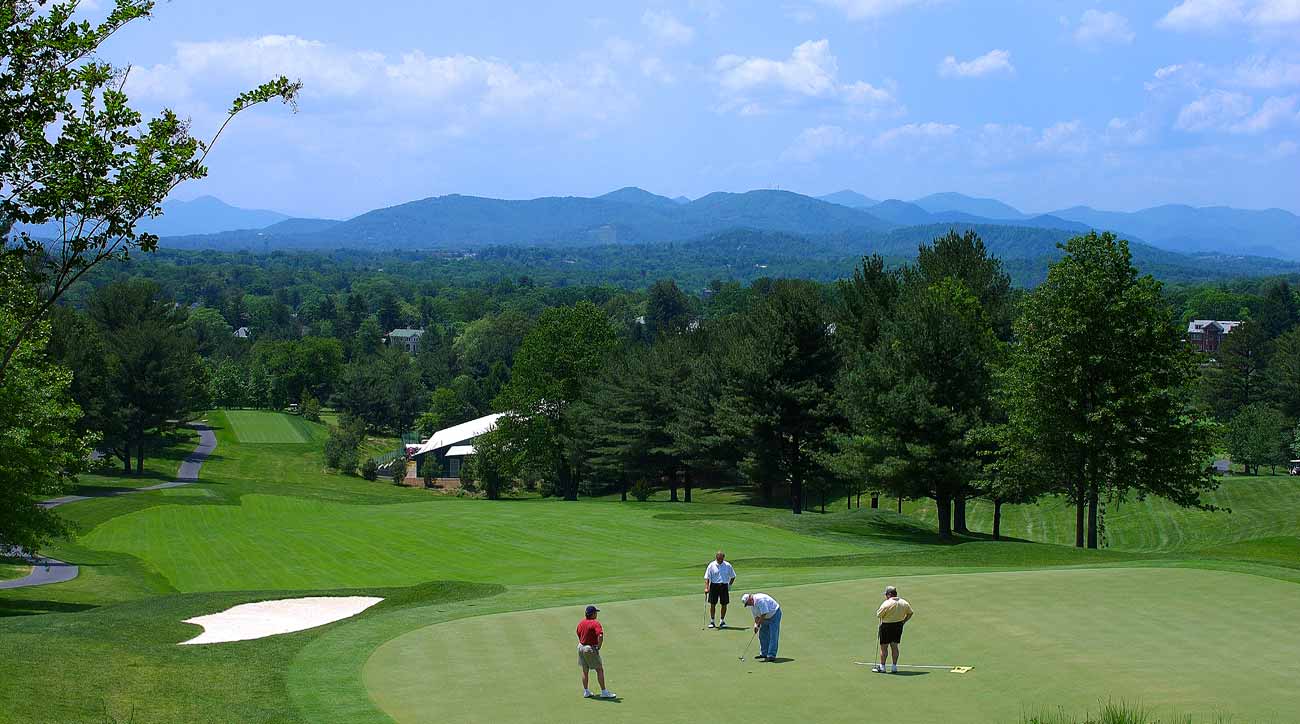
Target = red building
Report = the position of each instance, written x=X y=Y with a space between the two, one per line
x=1207 y=334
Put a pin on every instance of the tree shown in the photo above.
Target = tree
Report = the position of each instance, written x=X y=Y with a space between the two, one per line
x=493 y=467
x=212 y=334
x=1278 y=310
x=1096 y=386
x=158 y=376
x=79 y=168
x=490 y=340
x=1295 y=442
x=343 y=443
x=1256 y=437
x=1240 y=375
x=557 y=359
x=779 y=377
x=929 y=382
x=40 y=448
x=1004 y=476
x=667 y=310
x=1284 y=373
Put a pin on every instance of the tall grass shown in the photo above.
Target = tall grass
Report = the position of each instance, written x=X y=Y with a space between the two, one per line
x=1118 y=713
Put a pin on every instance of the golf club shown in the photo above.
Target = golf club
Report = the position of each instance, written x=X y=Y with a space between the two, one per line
x=706 y=611
x=745 y=652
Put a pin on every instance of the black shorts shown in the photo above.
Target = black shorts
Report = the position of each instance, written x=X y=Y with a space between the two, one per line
x=891 y=633
x=718 y=593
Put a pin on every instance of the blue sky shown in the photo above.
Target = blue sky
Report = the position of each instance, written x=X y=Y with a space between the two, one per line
x=1041 y=103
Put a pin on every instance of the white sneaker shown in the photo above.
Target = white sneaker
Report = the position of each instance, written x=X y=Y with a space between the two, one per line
x=711 y=625
x=607 y=694
x=893 y=670
x=878 y=669
x=586 y=693
x=722 y=625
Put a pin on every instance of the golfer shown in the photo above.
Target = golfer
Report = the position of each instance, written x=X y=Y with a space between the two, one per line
x=893 y=613
x=767 y=623
x=590 y=638
x=718 y=578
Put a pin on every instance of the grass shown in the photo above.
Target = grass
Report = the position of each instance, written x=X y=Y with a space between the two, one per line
x=1022 y=632
x=10 y=568
x=269 y=521
x=262 y=427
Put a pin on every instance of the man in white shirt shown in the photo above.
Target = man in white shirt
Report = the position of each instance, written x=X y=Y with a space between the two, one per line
x=767 y=623
x=718 y=578
x=893 y=613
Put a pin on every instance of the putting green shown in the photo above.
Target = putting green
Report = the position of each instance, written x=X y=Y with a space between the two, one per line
x=260 y=427
x=1177 y=640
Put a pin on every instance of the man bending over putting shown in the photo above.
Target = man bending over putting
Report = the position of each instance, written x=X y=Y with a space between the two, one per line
x=767 y=623
x=718 y=578
x=893 y=613
x=590 y=638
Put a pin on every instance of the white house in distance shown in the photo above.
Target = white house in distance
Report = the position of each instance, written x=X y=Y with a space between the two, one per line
x=443 y=453
x=407 y=339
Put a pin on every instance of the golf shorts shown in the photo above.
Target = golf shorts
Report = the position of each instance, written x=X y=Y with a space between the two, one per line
x=718 y=593
x=891 y=633
x=589 y=657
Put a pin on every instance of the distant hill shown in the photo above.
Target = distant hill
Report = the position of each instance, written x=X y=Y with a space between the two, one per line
x=204 y=215
x=627 y=216
x=902 y=213
x=1216 y=229
x=300 y=226
x=851 y=199
x=951 y=201
x=634 y=195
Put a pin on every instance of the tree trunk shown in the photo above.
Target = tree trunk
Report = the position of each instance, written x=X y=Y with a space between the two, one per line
x=1078 y=520
x=823 y=501
x=623 y=490
x=671 y=480
x=1092 y=516
x=139 y=458
x=126 y=459
x=997 y=520
x=959 y=514
x=568 y=488
x=943 y=506
x=875 y=501
x=796 y=496
x=900 y=505
x=686 y=482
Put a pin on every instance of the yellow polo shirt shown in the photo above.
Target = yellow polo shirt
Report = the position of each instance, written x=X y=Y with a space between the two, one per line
x=894 y=610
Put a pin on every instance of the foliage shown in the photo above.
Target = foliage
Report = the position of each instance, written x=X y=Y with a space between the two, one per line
x=1096 y=386
x=1240 y=375
x=40 y=447
x=78 y=166
x=1284 y=373
x=370 y=469
x=558 y=357
x=1257 y=436
x=494 y=466
x=310 y=408
x=343 y=444
x=642 y=490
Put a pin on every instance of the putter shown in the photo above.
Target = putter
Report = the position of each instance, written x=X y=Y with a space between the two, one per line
x=745 y=652
x=952 y=669
x=706 y=611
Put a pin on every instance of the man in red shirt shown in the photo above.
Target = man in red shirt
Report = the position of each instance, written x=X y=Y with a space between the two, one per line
x=590 y=638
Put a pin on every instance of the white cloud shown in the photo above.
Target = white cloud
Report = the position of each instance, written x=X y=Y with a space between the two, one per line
x=1218 y=15
x=1275 y=112
x=1136 y=131
x=994 y=61
x=1265 y=72
x=1098 y=28
x=1216 y=110
x=655 y=69
x=872 y=9
x=667 y=29
x=1066 y=137
x=913 y=132
x=813 y=143
x=411 y=88
x=810 y=73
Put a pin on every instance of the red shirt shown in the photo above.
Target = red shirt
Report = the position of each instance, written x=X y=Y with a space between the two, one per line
x=589 y=632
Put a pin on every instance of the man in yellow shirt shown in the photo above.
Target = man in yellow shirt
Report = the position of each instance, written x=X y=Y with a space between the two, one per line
x=893 y=613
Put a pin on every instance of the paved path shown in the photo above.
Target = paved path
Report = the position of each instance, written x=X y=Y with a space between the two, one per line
x=49 y=570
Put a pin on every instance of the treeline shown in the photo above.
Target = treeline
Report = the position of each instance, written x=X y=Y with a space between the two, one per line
x=929 y=381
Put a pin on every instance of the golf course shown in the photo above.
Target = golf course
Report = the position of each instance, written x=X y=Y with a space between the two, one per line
x=1188 y=615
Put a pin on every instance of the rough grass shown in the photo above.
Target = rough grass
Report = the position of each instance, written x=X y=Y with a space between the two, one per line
x=10 y=568
x=1119 y=713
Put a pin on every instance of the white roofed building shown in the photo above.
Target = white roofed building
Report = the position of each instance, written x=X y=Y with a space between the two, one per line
x=1207 y=334
x=442 y=454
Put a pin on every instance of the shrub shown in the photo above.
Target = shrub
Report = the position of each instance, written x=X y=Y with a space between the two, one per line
x=310 y=408
x=641 y=490
x=341 y=447
x=398 y=472
x=370 y=469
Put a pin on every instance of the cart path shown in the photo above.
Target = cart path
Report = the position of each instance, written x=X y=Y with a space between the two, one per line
x=50 y=570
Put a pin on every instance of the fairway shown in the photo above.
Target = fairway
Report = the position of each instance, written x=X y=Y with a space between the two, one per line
x=260 y=427
x=274 y=542
x=1155 y=636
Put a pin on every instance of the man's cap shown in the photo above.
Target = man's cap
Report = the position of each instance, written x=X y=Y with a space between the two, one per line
x=746 y=596
x=591 y=610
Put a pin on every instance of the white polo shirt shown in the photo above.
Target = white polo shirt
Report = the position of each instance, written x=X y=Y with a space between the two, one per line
x=763 y=605
x=719 y=572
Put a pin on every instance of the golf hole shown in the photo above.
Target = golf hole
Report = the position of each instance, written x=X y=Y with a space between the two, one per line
x=249 y=621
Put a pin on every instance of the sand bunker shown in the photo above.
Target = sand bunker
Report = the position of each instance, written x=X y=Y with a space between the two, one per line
x=268 y=618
